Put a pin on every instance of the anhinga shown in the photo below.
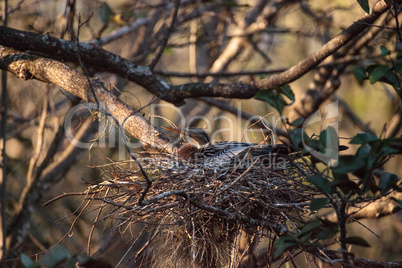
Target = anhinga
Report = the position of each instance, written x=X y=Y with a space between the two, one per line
x=201 y=148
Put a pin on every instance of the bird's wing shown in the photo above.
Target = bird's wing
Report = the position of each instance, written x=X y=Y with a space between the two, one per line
x=223 y=148
x=225 y=151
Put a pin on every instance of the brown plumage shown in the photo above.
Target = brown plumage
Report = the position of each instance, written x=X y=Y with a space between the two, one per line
x=224 y=152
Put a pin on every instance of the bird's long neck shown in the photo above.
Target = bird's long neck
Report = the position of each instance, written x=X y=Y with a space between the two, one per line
x=187 y=150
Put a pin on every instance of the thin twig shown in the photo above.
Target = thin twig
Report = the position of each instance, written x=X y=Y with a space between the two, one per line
x=166 y=36
x=80 y=60
x=94 y=225
x=38 y=150
x=67 y=194
x=396 y=10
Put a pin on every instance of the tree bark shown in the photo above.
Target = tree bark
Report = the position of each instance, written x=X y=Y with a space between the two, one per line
x=88 y=89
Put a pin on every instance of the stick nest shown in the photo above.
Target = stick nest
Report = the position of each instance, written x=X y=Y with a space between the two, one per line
x=195 y=210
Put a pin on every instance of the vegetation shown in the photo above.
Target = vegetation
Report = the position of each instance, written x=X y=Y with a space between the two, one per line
x=87 y=85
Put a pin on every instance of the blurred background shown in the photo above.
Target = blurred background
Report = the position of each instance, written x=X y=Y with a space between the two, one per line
x=260 y=37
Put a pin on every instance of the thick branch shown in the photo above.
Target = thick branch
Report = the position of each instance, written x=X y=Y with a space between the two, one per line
x=328 y=49
x=238 y=90
x=90 y=55
x=54 y=72
x=104 y=60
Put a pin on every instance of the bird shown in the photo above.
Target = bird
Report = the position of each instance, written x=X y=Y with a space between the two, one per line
x=198 y=148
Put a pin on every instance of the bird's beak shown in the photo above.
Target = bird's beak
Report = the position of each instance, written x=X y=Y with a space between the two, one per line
x=174 y=130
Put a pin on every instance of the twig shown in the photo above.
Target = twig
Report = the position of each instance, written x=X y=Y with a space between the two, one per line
x=94 y=225
x=227 y=107
x=120 y=32
x=52 y=175
x=80 y=60
x=352 y=116
x=38 y=150
x=166 y=36
x=396 y=10
x=57 y=73
x=67 y=194
x=166 y=194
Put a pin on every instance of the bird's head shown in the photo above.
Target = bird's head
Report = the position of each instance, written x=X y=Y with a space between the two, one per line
x=197 y=136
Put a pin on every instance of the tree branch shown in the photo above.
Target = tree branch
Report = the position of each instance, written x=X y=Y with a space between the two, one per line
x=379 y=208
x=328 y=49
x=328 y=255
x=103 y=60
x=51 y=71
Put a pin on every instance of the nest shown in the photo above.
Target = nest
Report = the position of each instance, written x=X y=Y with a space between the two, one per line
x=195 y=210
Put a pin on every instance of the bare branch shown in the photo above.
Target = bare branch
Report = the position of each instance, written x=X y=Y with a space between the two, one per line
x=165 y=39
x=103 y=60
x=51 y=175
x=379 y=208
x=328 y=49
x=327 y=255
x=91 y=55
x=50 y=71
x=226 y=107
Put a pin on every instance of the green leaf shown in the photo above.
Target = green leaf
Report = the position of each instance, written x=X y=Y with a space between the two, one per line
x=329 y=141
x=297 y=122
x=392 y=146
x=105 y=13
x=55 y=256
x=27 y=262
x=297 y=136
x=328 y=230
x=320 y=182
x=327 y=233
x=283 y=246
x=398 y=66
x=318 y=203
x=315 y=144
x=390 y=78
x=384 y=51
x=348 y=164
x=378 y=73
x=272 y=98
x=387 y=181
x=287 y=91
x=364 y=151
x=360 y=73
x=356 y=240
x=363 y=138
x=275 y=98
x=364 y=5
x=346 y=186
x=310 y=227
x=307 y=231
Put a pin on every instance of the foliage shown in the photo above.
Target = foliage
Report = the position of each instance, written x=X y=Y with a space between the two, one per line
x=352 y=179
x=57 y=256
x=275 y=97
x=343 y=188
x=220 y=38
x=389 y=71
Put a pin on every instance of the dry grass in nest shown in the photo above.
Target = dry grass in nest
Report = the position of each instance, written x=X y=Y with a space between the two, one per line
x=195 y=210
